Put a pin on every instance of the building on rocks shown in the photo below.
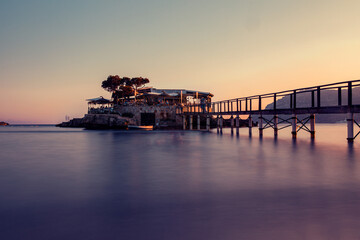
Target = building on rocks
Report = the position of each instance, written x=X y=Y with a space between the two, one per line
x=151 y=106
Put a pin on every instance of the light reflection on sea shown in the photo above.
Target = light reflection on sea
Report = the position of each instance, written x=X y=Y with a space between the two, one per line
x=76 y=184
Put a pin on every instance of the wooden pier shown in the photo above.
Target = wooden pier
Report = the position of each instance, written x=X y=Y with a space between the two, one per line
x=272 y=116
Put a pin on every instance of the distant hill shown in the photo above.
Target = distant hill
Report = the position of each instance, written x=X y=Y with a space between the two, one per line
x=328 y=98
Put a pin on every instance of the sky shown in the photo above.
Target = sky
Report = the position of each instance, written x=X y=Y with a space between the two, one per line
x=55 y=54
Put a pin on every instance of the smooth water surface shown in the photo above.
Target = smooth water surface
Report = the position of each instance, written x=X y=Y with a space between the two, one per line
x=77 y=184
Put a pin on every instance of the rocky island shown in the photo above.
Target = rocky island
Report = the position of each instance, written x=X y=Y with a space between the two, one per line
x=134 y=105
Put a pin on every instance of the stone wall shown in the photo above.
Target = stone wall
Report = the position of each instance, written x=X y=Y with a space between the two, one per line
x=111 y=121
x=165 y=116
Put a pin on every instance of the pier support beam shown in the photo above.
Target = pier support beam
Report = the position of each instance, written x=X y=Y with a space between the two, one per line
x=207 y=123
x=232 y=125
x=218 y=124
x=184 y=122
x=221 y=124
x=293 y=126
x=198 y=122
x=312 y=125
x=250 y=125
x=350 y=127
x=261 y=129
x=191 y=122
x=237 y=123
x=276 y=121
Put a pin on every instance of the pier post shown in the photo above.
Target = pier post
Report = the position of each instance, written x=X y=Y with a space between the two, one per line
x=276 y=121
x=198 y=122
x=191 y=122
x=312 y=125
x=261 y=129
x=237 y=122
x=221 y=124
x=232 y=124
x=350 y=127
x=184 y=122
x=250 y=125
x=207 y=123
x=218 y=124
x=294 y=126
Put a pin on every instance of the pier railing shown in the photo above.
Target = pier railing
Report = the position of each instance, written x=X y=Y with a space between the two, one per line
x=328 y=98
x=334 y=98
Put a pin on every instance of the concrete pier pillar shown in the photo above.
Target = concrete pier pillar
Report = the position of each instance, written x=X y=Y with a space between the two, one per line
x=312 y=125
x=276 y=129
x=221 y=124
x=250 y=125
x=191 y=122
x=293 y=126
x=261 y=129
x=207 y=123
x=218 y=124
x=350 y=127
x=232 y=124
x=198 y=122
x=237 y=123
x=184 y=122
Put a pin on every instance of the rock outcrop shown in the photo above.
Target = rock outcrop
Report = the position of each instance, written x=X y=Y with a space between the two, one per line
x=73 y=123
x=98 y=121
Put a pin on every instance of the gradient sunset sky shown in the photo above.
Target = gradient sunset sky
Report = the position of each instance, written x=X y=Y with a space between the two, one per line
x=55 y=54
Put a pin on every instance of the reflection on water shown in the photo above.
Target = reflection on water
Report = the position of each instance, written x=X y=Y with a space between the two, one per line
x=75 y=184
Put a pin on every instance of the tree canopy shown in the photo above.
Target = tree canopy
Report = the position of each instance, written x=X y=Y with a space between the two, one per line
x=123 y=87
x=112 y=83
x=138 y=82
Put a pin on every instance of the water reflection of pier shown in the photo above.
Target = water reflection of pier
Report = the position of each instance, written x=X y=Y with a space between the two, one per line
x=335 y=98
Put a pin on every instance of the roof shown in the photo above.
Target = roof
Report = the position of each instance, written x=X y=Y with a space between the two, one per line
x=174 y=92
x=98 y=100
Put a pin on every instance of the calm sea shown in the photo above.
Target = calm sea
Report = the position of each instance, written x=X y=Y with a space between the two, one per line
x=77 y=184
